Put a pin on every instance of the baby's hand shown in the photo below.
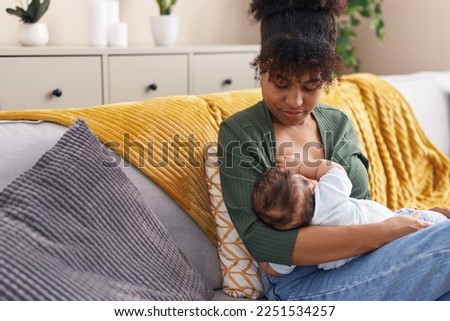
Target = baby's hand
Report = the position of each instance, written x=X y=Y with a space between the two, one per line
x=288 y=161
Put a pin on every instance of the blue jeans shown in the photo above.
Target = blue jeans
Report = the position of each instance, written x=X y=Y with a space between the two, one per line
x=414 y=267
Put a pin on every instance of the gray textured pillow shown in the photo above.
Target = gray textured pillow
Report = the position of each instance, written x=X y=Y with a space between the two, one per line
x=73 y=227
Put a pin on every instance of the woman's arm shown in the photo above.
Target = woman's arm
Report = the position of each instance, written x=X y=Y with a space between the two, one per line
x=319 y=244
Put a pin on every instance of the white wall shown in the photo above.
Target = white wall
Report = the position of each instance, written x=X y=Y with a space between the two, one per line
x=201 y=22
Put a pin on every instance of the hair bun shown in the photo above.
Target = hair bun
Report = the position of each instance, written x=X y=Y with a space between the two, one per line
x=262 y=9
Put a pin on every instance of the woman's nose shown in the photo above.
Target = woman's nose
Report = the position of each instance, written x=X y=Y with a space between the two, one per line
x=294 y=98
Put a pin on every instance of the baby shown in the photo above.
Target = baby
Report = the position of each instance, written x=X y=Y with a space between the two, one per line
x=285 y=199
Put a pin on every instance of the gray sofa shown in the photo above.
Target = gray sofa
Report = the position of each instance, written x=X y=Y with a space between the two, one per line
x=23 y=142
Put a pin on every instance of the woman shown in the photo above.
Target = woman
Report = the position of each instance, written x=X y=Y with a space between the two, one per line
x=295 y=65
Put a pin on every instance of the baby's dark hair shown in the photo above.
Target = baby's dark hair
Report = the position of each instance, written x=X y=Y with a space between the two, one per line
x=298 y=37
x=280 y=202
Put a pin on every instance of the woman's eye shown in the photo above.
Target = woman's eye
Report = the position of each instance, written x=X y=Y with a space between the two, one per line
x=281 y=84
x=310 y=88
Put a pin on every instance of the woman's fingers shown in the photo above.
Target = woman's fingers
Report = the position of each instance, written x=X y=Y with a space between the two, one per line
x=443 y=210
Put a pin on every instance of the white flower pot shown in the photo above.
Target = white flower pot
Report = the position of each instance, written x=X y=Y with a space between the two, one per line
x=33 y=34
x=165 y=29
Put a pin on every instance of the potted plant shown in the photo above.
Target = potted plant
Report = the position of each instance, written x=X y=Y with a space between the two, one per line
x=165 y=25
x=357 y=10
x=31 y=32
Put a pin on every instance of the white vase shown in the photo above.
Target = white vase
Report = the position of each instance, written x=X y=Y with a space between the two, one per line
x=33 y=34
x=98 y=23
x=165 y=29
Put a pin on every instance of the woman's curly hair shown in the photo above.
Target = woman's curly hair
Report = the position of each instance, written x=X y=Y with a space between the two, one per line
x=311 y=18
x=291 y=58
x=298 y=37
x=262 y=9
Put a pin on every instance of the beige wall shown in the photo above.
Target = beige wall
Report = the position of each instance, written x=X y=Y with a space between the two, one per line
x=417 y=38
x=417 y=31
x=201 y=22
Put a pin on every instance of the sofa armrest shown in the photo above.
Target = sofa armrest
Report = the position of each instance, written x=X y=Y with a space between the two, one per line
x=428 y=93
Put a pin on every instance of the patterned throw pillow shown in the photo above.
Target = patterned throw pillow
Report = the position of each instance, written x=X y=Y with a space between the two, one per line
x=240 y=272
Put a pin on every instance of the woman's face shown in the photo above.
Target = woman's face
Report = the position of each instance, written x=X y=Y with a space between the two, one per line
x=291 y=101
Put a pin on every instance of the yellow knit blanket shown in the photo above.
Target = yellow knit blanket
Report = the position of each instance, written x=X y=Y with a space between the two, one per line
x=164 y=138
x=406 y=169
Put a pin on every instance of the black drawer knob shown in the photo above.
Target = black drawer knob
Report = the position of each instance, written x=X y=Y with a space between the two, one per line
x=153 y=87
x=57 y=92
x=227 y=82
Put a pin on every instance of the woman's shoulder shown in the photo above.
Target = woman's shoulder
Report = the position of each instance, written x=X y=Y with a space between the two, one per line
x=330 y=116
x=327 y=110
x=257 y=109
x=256 y=116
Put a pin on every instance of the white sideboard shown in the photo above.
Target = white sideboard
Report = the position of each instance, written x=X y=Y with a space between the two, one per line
x=63 y=77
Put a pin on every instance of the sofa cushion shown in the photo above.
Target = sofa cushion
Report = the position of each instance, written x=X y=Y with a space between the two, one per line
x=240 y=272
x=186 y=233
x=24 y=142
x=73 y=227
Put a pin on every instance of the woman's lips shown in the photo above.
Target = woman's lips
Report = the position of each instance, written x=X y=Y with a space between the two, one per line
x=294 y=114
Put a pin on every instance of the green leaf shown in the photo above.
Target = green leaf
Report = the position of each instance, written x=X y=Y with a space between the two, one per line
x=33 y=8
x=42 y=9
x=358 y=10
x=378 y=9
x=354 y=21
x=165 y=6
x=15 y=12
x=162 y=6
x=366 y=13
x=33 y=12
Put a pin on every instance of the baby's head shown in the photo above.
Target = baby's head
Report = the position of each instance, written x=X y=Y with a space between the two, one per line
x=283 y=199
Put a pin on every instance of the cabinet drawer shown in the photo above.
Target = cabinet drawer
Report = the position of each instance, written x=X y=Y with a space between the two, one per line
x=138 y=77
x=50 y=82
x=223 y=71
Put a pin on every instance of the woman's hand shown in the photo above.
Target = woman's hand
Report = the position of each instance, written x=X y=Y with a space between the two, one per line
x=403 y=225
x=443 y=210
